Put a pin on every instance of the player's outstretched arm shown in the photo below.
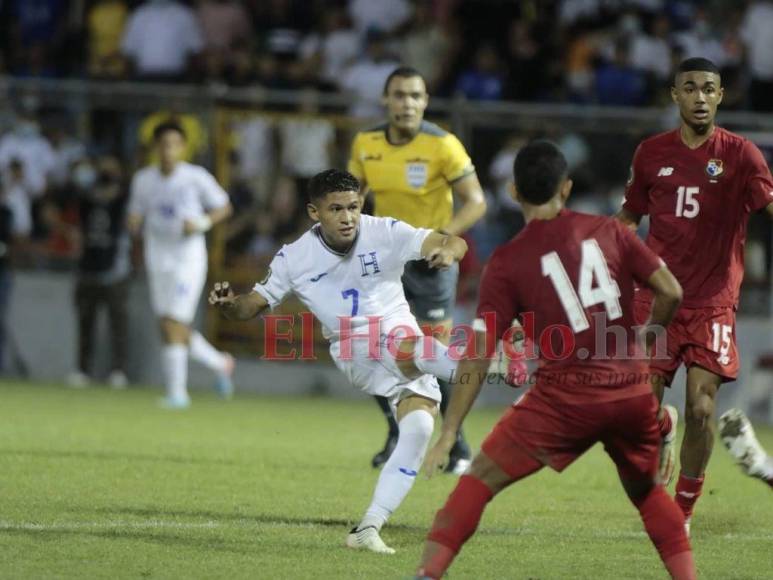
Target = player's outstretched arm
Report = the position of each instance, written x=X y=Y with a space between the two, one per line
x=668 y=297
x=442 y=250
x=473 y=206
x=233 y=307
x=470 y=374
x=204 y=223
x=629 y=218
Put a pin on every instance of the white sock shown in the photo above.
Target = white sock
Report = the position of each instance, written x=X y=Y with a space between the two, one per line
x=206 y=354
x=432 y=357
x=399 y=473
x=174 y=359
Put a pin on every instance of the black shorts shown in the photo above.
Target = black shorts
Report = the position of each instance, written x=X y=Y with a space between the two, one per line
x=431 y=293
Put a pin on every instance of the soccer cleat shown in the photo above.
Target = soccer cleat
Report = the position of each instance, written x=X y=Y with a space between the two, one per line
x=117 y=380
x=738 y=437
x=78 y=380
x=459 y=459
x=668 y=448
x=367 y=539
x=517 y=373
x=175 y=403
x=224 y=384
x=383 y=456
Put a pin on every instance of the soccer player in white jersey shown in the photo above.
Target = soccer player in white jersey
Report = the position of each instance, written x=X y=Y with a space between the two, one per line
x=174 y=203
x=347 y=270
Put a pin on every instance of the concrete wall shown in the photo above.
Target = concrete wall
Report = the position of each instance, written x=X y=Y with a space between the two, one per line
x=42 y=322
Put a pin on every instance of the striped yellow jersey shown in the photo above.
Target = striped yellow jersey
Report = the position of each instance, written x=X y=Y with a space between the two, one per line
x=411 y=182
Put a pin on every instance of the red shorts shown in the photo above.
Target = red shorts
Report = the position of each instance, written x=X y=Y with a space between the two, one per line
x=697 y=336
x=556 y=435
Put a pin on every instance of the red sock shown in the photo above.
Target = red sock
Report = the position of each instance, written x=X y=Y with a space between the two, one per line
x=688 y=490
x=664 y=424
x=454 y=524
x=664 y=523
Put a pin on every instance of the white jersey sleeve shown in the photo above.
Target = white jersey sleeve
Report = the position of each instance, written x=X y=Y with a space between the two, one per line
x=408 y=239
x=278 y=283
x=212 y=195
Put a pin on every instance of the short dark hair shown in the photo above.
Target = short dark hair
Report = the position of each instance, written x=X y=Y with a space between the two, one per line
x=330 y=181
x=168 y=125
x=696 y=64
x=404 y=72
x=538 y=170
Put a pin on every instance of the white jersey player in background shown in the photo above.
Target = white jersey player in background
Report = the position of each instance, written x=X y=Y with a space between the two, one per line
x=174 y=203
x=347 y=270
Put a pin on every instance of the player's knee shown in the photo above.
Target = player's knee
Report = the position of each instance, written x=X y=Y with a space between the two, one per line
x=701 y=409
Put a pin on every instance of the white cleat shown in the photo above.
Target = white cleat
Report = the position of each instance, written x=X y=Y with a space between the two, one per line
x=738 y=436
x=668 y=448
x=117 y=380
x=367 y=539
x=175 y=403
x=78 y=380
x=461 y=466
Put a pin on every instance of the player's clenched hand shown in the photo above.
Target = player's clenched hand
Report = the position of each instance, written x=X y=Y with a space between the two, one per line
x=437 y=457
x=222 y=295
x=440 y=258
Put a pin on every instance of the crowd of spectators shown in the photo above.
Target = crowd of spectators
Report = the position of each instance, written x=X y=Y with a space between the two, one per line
x=616 y=52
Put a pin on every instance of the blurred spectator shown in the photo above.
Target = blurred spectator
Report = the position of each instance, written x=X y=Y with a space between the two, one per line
x=225 y=26
x=364 y=79
x=66 y=151
x=25 y=143
x=280 y=26
x=103 y=268
x=254 y=148
x=701 y=40
x=105 y=26
x=161 y=38
x=578 y=65
x=756 y=35
x=506 y=210
x=307 y=142
x=195 y=144
x=527 y=63
x=618 y=83
x=37 y=33
x=484 y=81
x=427 y=46
x=15 y=226
x=651 y=52
x=387 y=16
x=330 y=50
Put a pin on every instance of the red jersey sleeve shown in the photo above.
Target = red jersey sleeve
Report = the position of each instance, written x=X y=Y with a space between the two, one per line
x=641 y=260
x=759 y=184
x=636 y=190
x=496 y=305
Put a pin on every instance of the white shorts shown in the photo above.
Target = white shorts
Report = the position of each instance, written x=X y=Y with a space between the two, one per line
x=175 y=294
x=381 y=375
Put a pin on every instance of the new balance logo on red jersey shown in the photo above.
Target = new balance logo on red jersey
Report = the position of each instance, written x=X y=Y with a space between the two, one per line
x=665 y=171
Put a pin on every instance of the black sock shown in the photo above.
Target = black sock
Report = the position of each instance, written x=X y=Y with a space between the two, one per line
x=383 y=404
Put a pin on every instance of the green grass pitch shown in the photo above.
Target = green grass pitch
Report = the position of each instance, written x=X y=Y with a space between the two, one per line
x=101 y=484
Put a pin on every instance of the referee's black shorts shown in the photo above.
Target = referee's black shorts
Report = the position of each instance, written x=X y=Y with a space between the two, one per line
x=431 y=293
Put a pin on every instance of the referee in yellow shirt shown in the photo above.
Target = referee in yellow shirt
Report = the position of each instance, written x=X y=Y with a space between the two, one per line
x=414 y=169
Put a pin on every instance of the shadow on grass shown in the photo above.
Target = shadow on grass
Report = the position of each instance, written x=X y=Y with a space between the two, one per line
x=116 y=456
x=173 y=539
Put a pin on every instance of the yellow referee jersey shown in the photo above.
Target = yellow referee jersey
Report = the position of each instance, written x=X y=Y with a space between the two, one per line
x=411 y=182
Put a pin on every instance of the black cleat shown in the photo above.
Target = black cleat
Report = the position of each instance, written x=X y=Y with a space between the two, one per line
x=382 y=456
x=460 y=456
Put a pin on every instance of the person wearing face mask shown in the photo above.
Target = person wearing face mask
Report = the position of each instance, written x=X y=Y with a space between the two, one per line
x=104 y=265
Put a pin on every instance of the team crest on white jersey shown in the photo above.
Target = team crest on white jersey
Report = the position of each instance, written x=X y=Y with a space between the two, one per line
x=416 y=173
x=714 y=168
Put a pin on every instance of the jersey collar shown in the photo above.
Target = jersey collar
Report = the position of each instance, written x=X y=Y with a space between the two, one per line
x=318 y=233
